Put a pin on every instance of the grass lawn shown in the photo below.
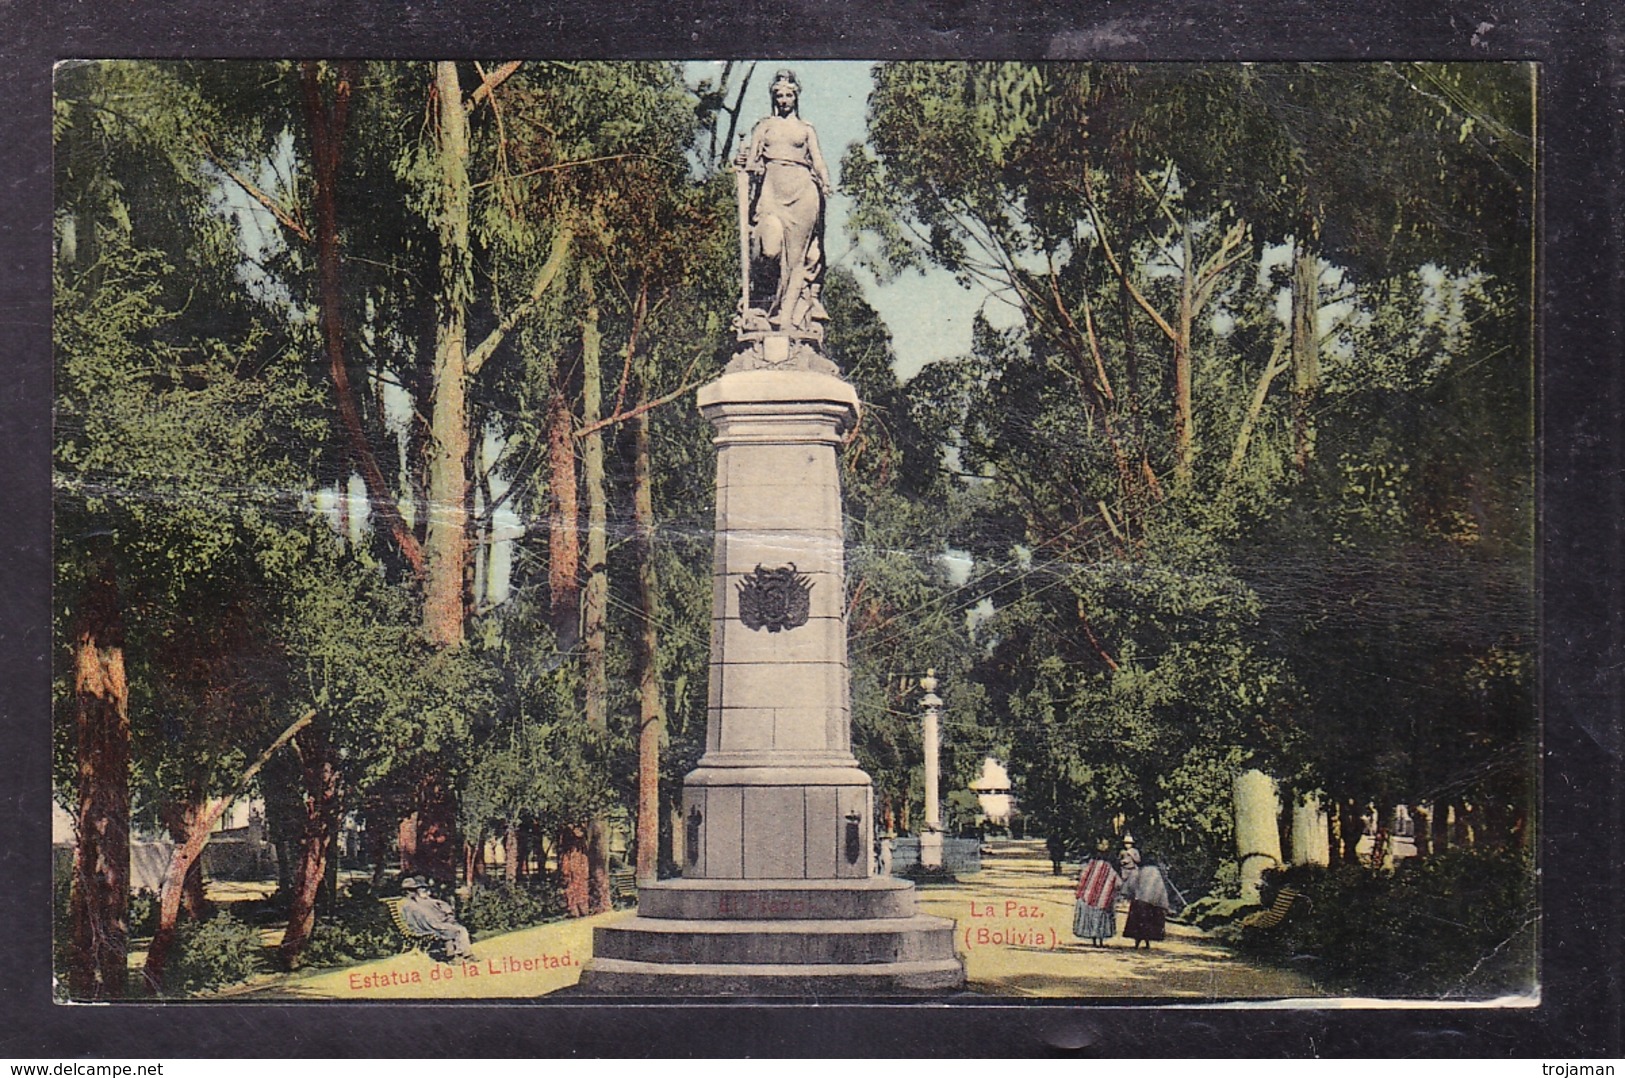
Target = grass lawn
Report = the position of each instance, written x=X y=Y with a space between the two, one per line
x=1013 y=928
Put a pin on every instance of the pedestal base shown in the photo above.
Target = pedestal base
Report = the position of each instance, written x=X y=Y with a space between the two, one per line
x=931 y=850
x=614 y=976
x=775 y=938
x=777 y=823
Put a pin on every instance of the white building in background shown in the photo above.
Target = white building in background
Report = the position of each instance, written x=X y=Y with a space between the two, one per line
x=992 y=789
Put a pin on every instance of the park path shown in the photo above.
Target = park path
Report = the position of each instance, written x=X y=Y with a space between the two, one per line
x=1015 y=932
x=1014 y=929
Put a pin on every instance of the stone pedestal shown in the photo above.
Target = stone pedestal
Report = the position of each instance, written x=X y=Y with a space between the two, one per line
x=931 y=850
x=777 y=895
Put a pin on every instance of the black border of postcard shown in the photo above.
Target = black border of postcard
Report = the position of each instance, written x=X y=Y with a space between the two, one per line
x=1578 y=47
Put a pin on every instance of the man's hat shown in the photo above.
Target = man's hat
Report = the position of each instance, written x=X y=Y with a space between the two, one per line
x=412 y=883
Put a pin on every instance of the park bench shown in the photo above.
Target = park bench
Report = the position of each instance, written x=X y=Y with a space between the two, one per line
x=623 y=885
x=429 y=944
x=1285 y=898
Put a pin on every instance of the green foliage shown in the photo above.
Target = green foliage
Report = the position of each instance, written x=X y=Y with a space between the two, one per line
x=356 y=929
x=61 y=931
x=1213 y=912
x=1329 y=578
x=213 y=954
x=500 y=906
x=1459 y=924
x=143 y=918
x=1176 y=593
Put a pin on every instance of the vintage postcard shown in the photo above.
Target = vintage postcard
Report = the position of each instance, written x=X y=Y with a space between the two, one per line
x=916 y=529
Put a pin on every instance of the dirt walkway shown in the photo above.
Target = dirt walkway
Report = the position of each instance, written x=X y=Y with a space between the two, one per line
x=1014 y=928
x=1015 y=931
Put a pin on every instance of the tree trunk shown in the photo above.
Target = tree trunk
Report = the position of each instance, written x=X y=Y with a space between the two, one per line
x=1353 y=830
x=1495 y=820
x=1466 y=824
x=572 y=843
x=596 y=596
x=564 y=520
x=407 y=844
x=327 y=127
x=1305 y=351
x=1334 y=833
x=287 y=855
x=651 y=712
x=377 y=846
x=1184 y=421
x=512 y=851
x=179 y=819
x=564 y=593
x=446 y=542
x=1441 y=826
x=436 y=850
x=1287 y=832
x=599 y=898
x=189 y=824
x=100 y=896
x=329 y=894
x=564 y=586
x=531 y=841
x=322 y=788
x=1422 y=830
x=192 y=897
x=1131 y=360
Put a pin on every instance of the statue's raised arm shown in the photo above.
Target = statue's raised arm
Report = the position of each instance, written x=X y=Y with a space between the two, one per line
x=782 y=214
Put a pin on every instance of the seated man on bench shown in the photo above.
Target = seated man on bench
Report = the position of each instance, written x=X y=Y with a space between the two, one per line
x=425 y=915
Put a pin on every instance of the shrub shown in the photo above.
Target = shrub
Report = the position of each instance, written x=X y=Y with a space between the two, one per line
x=1226 y=879
x=211 y=954
x=503 y=907
x=143 y=919
x=356 y=929
x=61 y=929
x=1213 y=912
x=1457 y=924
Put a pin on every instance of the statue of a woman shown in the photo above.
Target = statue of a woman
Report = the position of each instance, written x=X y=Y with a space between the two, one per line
x=789 y=183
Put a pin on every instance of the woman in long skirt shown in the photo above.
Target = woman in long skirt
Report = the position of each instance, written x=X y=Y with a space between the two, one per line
x=1094 y=916
x=1147 y=894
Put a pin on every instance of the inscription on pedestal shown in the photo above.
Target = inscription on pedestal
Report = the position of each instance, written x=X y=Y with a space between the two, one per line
x=775 y=599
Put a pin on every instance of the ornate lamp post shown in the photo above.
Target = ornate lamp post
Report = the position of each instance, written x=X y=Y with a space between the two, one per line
x=931 y=836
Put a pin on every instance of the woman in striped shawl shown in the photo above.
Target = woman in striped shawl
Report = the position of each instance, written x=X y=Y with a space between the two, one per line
x=1093 y=915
